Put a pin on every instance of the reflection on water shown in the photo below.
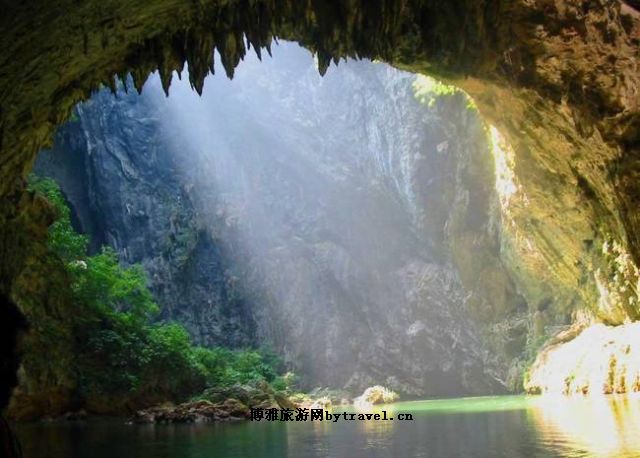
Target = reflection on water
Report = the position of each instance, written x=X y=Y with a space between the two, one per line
x=378 y=434
x=604 y=426
x=507 y=426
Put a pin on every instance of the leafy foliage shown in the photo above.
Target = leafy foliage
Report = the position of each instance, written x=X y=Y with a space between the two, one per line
x=428 y=90
x=64 y=241
x=119 y=350
x=103 y=283
x=224 y=367
x=286 y=382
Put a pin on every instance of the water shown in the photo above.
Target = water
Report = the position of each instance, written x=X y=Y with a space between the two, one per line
x=504 y=426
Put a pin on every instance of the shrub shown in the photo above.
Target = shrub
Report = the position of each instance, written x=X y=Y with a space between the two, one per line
x=119 y=350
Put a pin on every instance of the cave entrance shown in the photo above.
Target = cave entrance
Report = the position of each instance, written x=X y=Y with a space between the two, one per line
x=557 y=78
x=334 y=219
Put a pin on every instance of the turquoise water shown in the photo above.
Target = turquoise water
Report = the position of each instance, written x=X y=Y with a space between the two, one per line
x=504 y=426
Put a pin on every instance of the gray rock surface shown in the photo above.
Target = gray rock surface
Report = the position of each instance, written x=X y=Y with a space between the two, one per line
x=336 y=220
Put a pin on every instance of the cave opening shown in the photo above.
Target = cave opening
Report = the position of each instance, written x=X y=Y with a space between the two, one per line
x=528 y=257
x=335 y=220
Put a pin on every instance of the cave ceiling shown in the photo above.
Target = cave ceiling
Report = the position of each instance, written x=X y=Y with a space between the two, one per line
x=559 y=78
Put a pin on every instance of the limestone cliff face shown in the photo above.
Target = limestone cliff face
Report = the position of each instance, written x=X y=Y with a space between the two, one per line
x=599 y=360
x=362 y=256
x=126 y=191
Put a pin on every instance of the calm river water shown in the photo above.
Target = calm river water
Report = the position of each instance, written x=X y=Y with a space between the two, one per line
x=504 y=426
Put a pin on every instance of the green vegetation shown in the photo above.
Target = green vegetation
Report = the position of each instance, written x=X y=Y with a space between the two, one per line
x=428 y=90
x=64 y=241
x=532 y=349
x=119 y=352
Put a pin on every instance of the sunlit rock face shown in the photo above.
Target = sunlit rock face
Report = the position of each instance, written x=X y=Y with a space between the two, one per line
x=127 y=191
x=333 y=219
x=600 y=360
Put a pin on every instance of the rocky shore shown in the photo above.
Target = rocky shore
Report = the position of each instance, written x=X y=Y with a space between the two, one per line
x=234 y=404
x=193 y=412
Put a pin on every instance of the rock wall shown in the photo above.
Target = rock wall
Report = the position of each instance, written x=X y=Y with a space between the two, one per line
x=600 y=360
x=346 y=253
x=126 y=191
